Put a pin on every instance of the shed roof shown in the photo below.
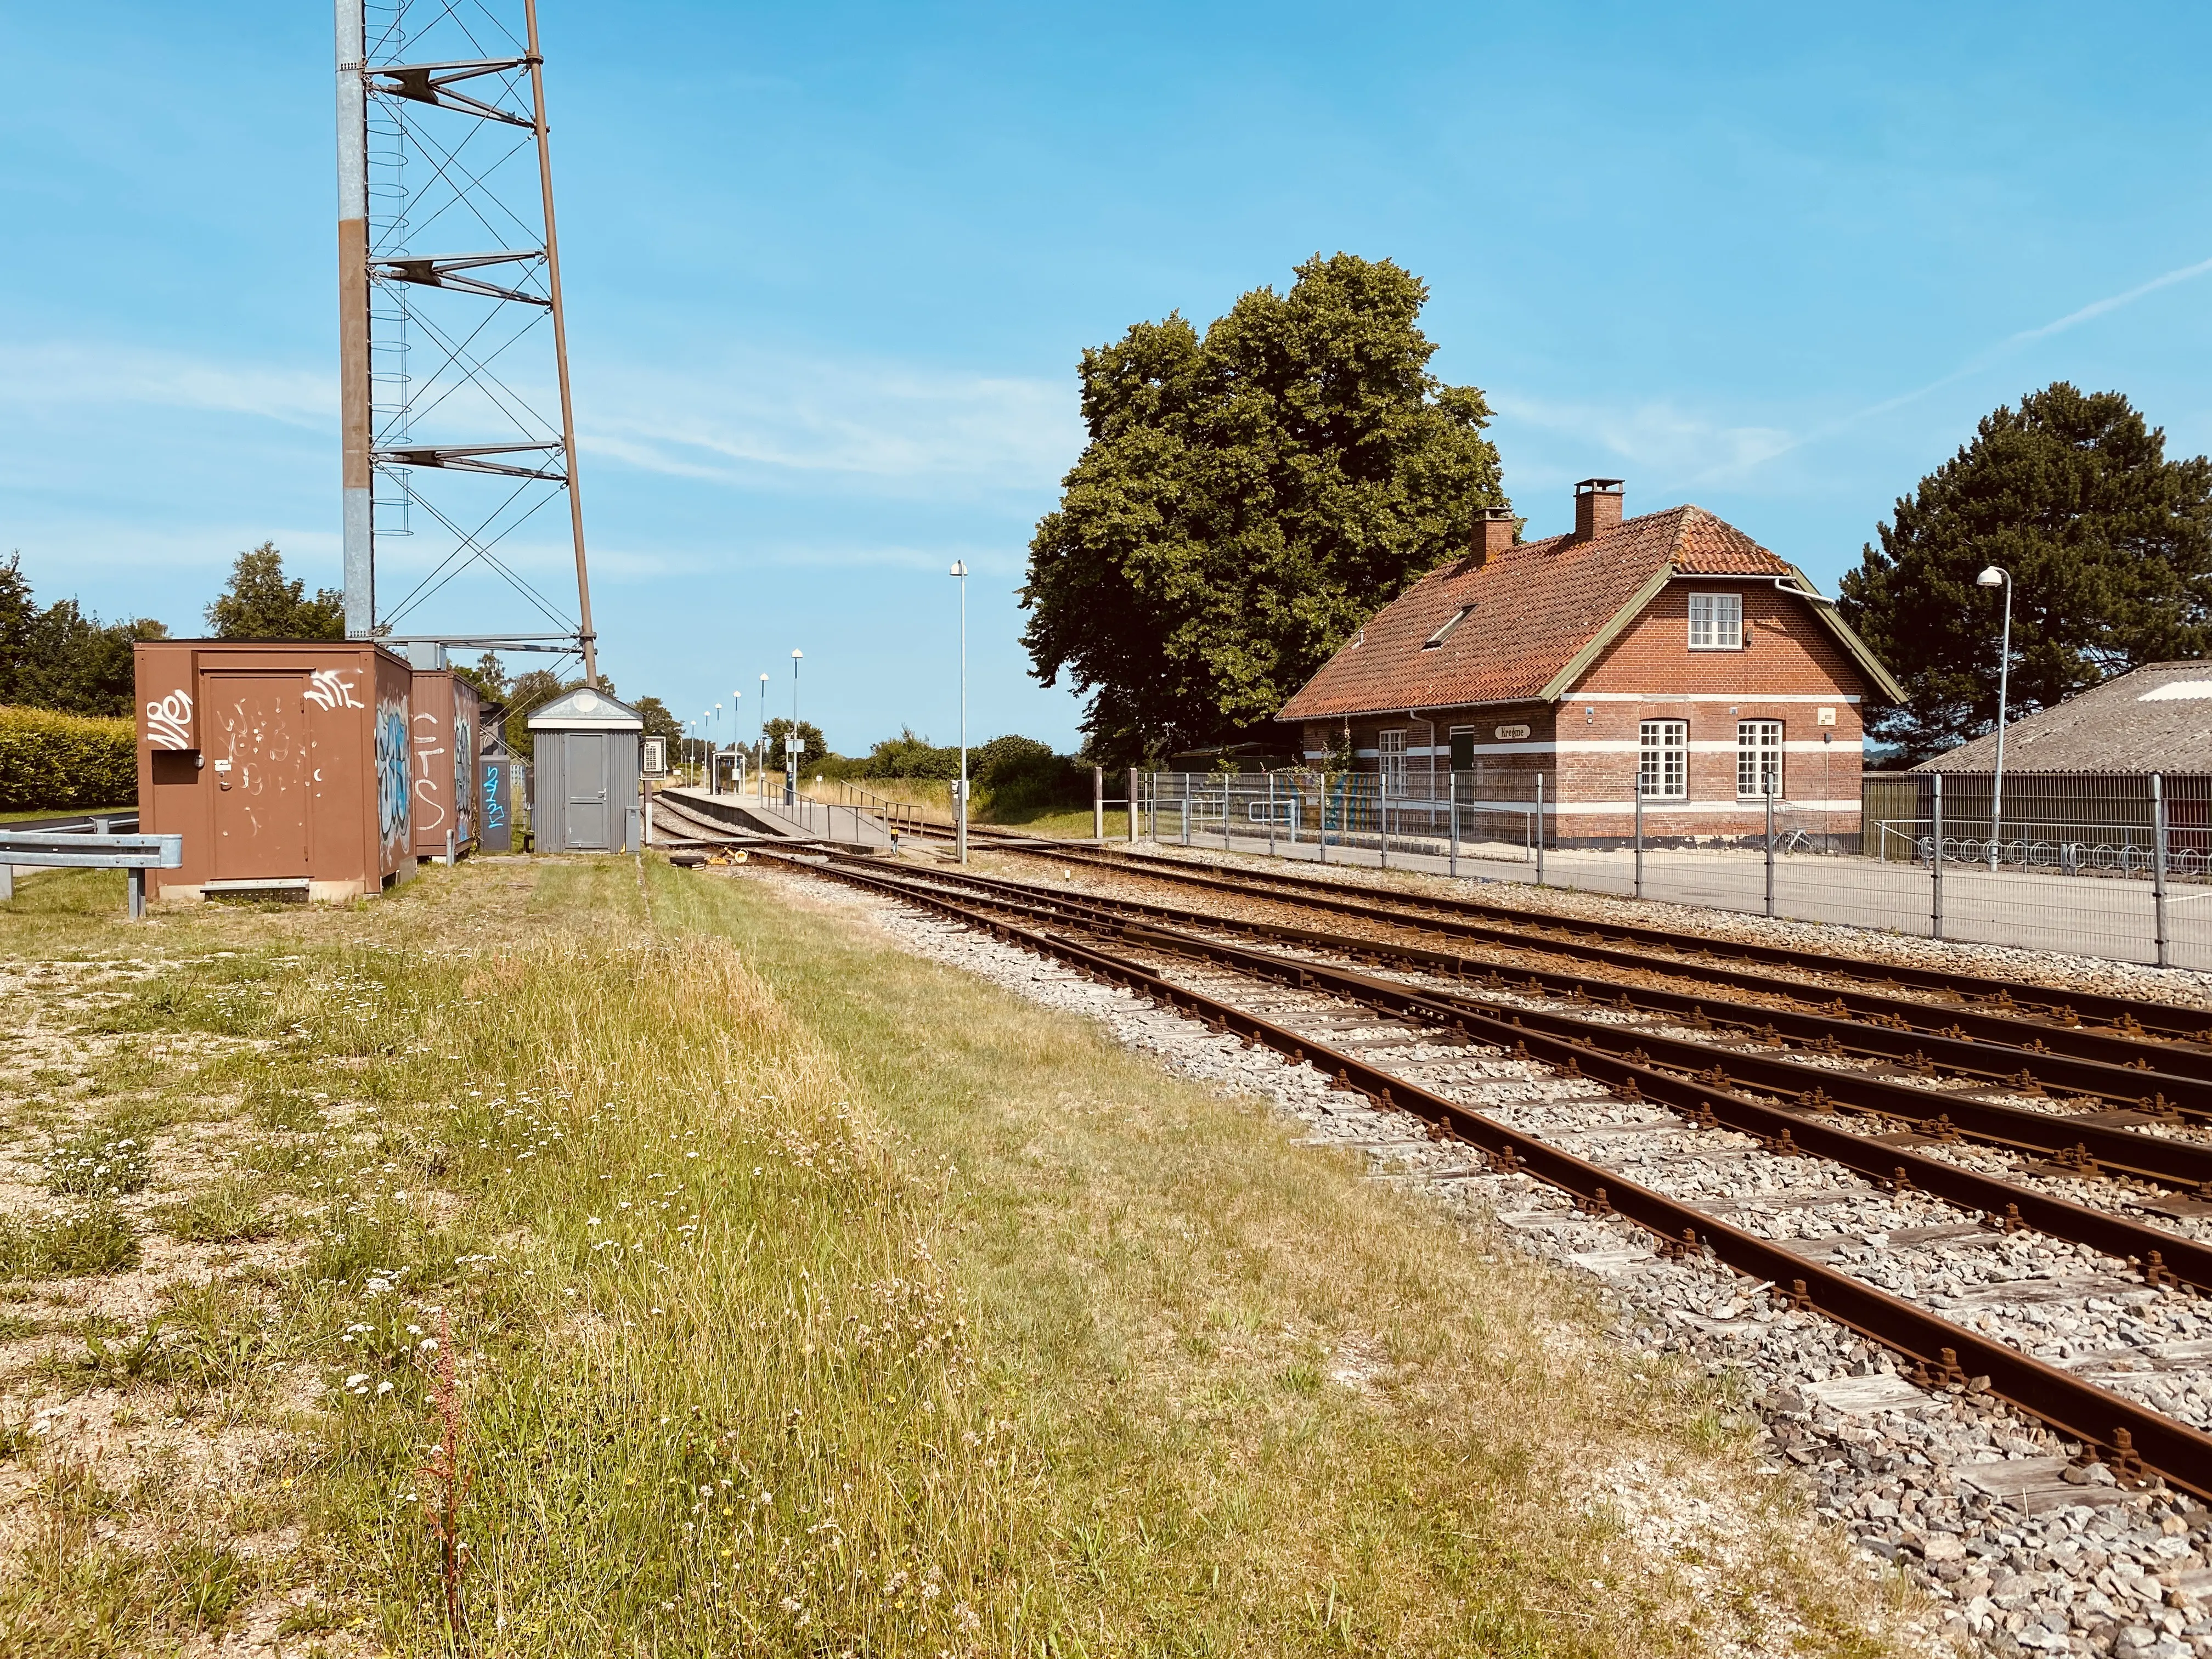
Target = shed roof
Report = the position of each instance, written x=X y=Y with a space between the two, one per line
x=2157 y=718
x=1536 y=615
x=586 y=710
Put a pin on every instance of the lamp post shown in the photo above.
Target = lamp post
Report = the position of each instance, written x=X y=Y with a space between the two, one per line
x=760 y=760
x=1996 y=577
x=960 y=807
x=791 y=754
x=736 y=748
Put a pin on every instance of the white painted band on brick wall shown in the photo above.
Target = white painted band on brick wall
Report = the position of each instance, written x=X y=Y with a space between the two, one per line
x=1619 y=746
x=1752 y=697
x=1653 y=807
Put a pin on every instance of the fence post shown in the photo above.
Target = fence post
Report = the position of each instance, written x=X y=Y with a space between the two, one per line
x=1382 y=817
x=1133 y=806
x=1099 y=804
x=137 y=887
x=1451 y=794
x=1271 y=815
x=1226 y=787
x=1935 y=863
x=1636 y=784
x=1186 y=807
x=1770 y=850
x=1540 y=829
x=2158 y=865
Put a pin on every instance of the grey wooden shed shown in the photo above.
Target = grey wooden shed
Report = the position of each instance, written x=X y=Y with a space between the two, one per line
x=584 y=780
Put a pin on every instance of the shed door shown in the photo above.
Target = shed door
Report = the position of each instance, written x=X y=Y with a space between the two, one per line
x=256 y=733
x=585 y=825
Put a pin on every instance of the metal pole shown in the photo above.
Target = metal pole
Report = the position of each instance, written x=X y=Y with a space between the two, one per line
x=1099 y=804
x=1451 y=792
x=960 y=806
x=791 y=752
x=357 y=477
x=1638 y=786
x=1540 y=829
x=1224 y=811
x=1936 y=864
x=1383 y=814
x=2158 y=866
x=1770 y=851
x=1135 y=801
x=138 y=891
x=1185 y=776
x=585 y=636
x=7 y=881
x=1271 y=815
x=2004 y=672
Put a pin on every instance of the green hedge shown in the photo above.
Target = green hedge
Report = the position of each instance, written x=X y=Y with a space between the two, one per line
x=65 y=760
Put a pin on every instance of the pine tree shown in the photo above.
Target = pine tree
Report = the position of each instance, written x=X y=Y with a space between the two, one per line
x=2109 y=545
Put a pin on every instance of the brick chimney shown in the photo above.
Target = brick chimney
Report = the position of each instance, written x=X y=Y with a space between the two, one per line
x=1493 y=533
x=1597 y=506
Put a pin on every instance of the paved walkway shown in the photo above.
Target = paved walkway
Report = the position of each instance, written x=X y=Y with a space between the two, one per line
x=2084 y=916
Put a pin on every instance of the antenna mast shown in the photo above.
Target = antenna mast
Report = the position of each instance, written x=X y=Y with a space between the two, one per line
x=441 y=110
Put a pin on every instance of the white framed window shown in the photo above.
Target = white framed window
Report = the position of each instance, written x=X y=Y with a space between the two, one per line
x=1390 y=748
x=1757 y=757
x=1662 y=771
x=1716 y=622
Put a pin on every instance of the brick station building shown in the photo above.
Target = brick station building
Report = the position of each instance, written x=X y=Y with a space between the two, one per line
x=1668 y=654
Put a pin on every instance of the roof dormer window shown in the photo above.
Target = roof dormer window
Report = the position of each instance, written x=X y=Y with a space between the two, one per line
x=1444 y=633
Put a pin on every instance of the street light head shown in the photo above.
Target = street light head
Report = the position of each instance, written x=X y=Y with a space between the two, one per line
x=1991 y=577
x=796 y=654
x=959 y=567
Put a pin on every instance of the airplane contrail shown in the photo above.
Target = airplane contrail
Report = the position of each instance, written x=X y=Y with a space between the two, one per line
x=1977 y=363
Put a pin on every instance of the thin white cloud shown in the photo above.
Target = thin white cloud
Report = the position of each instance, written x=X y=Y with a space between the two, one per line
x=1652 y=437
x=55 y=373
x=760 y=419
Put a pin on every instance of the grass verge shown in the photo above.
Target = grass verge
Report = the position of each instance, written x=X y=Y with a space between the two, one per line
x=805 y=1298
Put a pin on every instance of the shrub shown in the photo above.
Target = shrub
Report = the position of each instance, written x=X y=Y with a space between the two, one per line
x=65 y=760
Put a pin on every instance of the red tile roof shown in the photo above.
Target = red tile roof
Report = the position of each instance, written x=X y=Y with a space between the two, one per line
x=1535 y=607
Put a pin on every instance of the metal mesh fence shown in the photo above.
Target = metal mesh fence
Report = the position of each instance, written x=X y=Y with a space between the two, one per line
x=2118 y=867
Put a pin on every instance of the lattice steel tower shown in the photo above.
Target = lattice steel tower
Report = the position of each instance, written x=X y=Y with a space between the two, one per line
x=449 y=298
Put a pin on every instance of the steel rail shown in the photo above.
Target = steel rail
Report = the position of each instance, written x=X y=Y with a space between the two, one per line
x=2138 y=1441
x=2156 y=1094
x=2008 y=1018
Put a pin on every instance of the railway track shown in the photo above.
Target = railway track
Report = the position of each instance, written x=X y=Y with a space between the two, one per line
x=1636 y=1133
x=1929 y=1001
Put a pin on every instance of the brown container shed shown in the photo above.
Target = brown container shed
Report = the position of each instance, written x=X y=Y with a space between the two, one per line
x=284 y=766
x=447 y=722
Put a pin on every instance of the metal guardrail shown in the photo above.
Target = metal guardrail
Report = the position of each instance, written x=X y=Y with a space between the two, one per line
x=45 y=849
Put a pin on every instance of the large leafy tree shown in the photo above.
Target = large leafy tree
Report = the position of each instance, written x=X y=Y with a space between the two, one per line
x=2109 y=548
x=59 y=656
x=1246 y=499
x=260 y=602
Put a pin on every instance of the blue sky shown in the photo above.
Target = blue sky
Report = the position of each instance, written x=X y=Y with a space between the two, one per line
x=829 y=268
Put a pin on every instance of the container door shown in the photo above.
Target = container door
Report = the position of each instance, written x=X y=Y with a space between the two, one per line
x=256 y=734
x=585 y=826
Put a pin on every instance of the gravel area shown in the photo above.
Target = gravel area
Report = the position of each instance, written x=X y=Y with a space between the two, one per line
x=2027 y=1551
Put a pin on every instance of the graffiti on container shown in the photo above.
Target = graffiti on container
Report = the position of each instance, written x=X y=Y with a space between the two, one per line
x=392 y=770
x=495 y=806
x=429 y=814
x=168 y=721
x=326 y=691
x=463 y=796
